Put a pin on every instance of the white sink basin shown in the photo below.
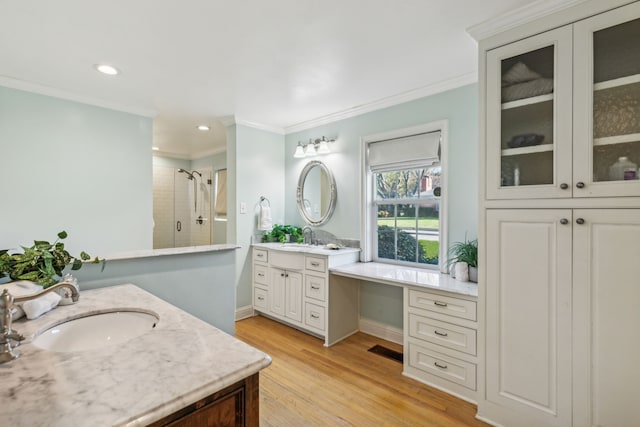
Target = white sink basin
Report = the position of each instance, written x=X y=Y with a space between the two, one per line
x=96 y=331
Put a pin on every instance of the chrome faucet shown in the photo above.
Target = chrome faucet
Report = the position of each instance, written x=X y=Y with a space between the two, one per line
x=7 y=353
x=304 y=235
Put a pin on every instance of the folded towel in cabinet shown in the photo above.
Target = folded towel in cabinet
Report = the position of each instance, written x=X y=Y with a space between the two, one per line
x=264 y=219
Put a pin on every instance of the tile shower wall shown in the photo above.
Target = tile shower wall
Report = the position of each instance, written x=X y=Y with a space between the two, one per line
x=175 y=212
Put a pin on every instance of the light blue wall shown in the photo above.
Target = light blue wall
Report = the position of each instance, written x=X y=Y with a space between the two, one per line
x=259 y=166
x=458 y=106
x=202 y=284
x=74 y=167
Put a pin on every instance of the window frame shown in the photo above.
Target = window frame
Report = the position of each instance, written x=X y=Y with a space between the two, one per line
x=368 y=209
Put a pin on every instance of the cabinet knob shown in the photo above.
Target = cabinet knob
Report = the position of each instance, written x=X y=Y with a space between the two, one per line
x=281 y=274
x=580 y=185
x=580 y=221
x=564 y=221
x=564 y=186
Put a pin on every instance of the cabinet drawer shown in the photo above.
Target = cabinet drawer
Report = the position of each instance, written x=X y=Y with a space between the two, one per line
x=440 y=304
x=443 y=366
x=260 y=274
x=260 y=255
x=260 y=299
x=316 y=264
x=314 y=316
x=314 y=287
x=442 y=333
x=286 y=261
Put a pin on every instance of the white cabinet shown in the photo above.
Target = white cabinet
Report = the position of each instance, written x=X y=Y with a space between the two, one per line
x=559 y=229
x=293 y=287
x=562 y=107
x=606 y=316
x=440 y=341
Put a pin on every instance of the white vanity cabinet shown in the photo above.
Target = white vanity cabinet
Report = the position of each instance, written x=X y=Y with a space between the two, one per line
x=440 y=340
x=559 y=227
x=291 y=285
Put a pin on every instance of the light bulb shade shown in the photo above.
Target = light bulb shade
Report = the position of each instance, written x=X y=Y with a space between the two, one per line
x=299 y=152
x=310 y=149
x=323 y=148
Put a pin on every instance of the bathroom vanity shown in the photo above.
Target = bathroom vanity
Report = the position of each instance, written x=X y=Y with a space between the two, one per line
x=181 y=372
x=291 y=285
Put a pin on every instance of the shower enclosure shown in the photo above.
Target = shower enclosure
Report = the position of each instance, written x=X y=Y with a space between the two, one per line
x=182 y=202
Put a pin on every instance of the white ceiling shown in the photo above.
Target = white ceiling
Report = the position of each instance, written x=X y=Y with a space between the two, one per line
x=277 y=63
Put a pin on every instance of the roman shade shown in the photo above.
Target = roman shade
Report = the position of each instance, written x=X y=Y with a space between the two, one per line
x=415 y=151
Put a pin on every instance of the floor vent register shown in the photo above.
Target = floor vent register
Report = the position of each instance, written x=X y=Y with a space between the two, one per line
x=387 y=352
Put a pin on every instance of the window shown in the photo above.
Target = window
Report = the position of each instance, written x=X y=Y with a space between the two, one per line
x=404 y=206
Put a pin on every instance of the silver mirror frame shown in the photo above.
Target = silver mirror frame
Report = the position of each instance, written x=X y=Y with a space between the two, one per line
x=300 y=190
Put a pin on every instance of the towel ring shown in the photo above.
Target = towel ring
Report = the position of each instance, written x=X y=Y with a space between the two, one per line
x=264 y=199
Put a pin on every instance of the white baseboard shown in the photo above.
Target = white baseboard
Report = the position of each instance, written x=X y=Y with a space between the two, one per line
x=381 y=330
x=244 y=312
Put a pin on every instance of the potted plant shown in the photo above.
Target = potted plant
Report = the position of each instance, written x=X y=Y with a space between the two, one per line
x=41 y=263
x=284 y=234
x=466 y=252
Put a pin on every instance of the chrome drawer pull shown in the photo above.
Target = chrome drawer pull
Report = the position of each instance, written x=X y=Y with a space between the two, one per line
x=440 y=304
x=442 y=334
x=440 y=366
x=315 y=316
x=315 y=264
x=315 y=287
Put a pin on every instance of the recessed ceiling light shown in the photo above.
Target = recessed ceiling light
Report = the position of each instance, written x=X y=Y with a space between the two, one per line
x=107 y=69
x=155 y=148
x=203 y=128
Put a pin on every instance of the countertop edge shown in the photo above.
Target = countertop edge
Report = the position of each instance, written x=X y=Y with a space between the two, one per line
x=149 y=253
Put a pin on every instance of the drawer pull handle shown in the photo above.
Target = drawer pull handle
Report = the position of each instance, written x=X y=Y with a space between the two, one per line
x=259 y=255
x=442 y=334
x=261 y=298
x=440 y=366
x=315 y=264
x=315 y=316
x=315 y=287
x=440 y=304
x=261 y=274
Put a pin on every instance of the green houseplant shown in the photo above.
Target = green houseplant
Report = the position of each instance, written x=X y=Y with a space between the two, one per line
x=279 y=233
x=42 y=263
x=466 y=251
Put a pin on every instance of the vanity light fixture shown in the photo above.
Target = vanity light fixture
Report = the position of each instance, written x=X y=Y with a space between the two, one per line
x=313 y=147
x=107 y=69
x=203 y=128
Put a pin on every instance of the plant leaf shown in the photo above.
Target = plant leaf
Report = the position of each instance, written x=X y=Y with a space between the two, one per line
x=77 y=264
x=62 y=235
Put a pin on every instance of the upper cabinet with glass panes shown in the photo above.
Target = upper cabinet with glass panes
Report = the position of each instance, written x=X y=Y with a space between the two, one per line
x=563 y=111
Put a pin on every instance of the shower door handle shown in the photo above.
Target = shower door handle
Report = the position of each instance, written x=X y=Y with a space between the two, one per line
x=178 y=226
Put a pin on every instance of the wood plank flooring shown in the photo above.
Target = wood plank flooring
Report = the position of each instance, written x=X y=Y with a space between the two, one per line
x=344 y=385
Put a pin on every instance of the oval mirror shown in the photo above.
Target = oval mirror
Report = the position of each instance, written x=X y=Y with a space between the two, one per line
x=316 y=193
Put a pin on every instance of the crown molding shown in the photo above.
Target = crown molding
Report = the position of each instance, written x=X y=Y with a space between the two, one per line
x=207 y=153
x=520 y=16
x=69 y=96
x=233 y=120
x=390 y=101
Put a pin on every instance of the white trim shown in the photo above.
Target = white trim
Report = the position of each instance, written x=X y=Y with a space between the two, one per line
x=195 y=156
x=520 y=16
x=389 y=101
x=244 y=312
x=69 y=96
x=366 y=215
x=234 y=120
x=381 y=330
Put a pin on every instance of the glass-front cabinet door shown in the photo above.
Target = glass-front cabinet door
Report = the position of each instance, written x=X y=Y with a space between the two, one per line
x=529 y=85
x=607 y=104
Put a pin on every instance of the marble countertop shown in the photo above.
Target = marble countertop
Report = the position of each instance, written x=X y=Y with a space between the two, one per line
x=180 y=361
x=146 y=253
x=303 y=248
x=399 y=275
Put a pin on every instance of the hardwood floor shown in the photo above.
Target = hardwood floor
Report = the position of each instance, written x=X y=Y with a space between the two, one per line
x=344 y=385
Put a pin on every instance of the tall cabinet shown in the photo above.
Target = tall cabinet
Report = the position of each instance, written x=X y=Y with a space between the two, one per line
x=559 y=287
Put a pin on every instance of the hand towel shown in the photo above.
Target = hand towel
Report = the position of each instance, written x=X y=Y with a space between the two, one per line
x=20 y=288
x=39 y=306
x=264 y=219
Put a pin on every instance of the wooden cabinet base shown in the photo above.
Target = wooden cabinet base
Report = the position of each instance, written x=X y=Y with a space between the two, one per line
x=234 y=406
